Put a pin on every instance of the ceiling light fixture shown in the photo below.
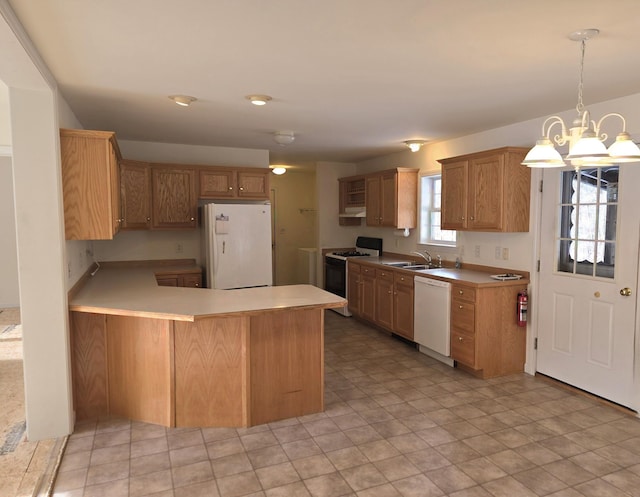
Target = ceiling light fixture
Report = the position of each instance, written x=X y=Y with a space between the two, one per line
x=284 y=137
x=258 y=99
x=279 y=170
x=586 y=143
x=183 y=100
x=414 y=145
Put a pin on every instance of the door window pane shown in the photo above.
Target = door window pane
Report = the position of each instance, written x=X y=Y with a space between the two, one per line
x=588 y=220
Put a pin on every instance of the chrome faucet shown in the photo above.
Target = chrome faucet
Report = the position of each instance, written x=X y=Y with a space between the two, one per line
x=426 y=257
x=439 y=259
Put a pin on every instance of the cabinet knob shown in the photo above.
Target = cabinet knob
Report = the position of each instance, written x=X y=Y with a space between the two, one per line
x=148 y=219
x=472 y=218
x=230 y=188
x=197 y=284
x=462 y=218
x=389 y=292
x=459 y=307
x=460 y=292
x=193 y=219
x=242 y=188
x=460 y=339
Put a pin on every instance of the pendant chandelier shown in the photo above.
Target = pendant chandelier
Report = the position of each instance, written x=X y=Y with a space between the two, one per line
x=586 y=142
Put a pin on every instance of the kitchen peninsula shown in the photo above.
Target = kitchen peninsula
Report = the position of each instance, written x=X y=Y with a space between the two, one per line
x=192 y=357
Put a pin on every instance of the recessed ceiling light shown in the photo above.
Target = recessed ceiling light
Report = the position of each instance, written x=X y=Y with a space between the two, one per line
x=184 y=100
x=258 y=99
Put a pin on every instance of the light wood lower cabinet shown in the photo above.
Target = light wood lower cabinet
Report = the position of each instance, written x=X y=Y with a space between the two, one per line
x=185 y=278
x=234 y=371
x=403 y=296
x=485 y=338
x=383 y=297
x=361 y=291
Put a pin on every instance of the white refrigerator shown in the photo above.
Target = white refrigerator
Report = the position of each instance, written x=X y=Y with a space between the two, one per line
x=237 y=245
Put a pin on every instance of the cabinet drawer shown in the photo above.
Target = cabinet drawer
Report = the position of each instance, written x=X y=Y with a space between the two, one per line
x=463 y=293
x=463 y=348
x=463 y=315
x=403 y=279
x=384 y=274
x=353 y=267
x=369 y=271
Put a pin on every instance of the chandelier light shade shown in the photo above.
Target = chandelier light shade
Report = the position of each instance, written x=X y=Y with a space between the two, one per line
x=586 y=142
x=414 y=145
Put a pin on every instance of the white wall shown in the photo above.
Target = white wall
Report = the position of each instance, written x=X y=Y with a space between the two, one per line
x=150 y=245
x=9 y=290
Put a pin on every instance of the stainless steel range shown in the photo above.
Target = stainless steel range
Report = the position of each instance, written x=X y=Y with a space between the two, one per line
x=335 y=266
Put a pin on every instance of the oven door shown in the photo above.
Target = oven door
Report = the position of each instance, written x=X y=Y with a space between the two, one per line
x=335 y=276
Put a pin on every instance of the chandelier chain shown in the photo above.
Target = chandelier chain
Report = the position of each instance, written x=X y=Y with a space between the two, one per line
x=580 y=106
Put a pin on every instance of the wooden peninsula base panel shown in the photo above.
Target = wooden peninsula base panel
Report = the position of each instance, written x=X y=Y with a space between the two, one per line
x=235 y=370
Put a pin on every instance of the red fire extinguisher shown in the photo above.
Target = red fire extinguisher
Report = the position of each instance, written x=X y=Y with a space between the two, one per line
x=521 y=308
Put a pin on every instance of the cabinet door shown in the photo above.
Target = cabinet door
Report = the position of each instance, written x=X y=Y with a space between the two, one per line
x=89 y=175
x=135 y=194
x=217 y=183
x=373 y=187
x=114 y=189
x=384 y=299
x=191 y=280
x=174 y=198
x=463 y=348
x=389 y=200
x=168 y=280
x=353 y=288
x=403 y=306
x=368 y=294
x=486 y=193
x=455 y=184
x=253 y=184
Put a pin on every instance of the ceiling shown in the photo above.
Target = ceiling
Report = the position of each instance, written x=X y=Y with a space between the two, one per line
x=351 y=78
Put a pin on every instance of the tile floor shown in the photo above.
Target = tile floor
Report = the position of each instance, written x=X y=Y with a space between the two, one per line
x=397 y=423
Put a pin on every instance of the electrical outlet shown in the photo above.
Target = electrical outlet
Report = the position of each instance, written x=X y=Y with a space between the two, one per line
x=505 y=254
x=179 y=248
x=498 y=253
x=476 y=251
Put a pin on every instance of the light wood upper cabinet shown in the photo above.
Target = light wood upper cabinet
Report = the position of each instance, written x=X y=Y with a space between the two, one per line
x=249 y=183
x=486 y=191
x=90 y=184
x=392 y=198
x=174 y=199
x=135 y=194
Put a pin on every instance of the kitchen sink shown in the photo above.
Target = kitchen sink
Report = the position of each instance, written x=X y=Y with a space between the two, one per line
x=398 y=264
x=418 y=267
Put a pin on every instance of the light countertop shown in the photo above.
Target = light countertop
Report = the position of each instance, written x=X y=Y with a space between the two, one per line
x=134 y=292
x=451 y=274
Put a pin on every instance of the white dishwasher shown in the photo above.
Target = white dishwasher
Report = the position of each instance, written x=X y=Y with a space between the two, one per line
x=431 y=319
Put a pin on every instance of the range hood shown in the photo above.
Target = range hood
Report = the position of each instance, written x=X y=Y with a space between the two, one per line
x=354 y=212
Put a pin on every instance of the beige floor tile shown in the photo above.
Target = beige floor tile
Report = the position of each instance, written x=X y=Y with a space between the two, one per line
x=396 y=423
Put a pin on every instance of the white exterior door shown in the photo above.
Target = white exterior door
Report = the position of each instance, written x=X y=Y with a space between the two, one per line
x=588 y=260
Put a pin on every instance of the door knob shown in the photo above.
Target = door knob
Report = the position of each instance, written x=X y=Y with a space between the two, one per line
x=625 y=292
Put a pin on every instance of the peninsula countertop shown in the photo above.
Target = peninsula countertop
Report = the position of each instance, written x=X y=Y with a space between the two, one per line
x=134 y=292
